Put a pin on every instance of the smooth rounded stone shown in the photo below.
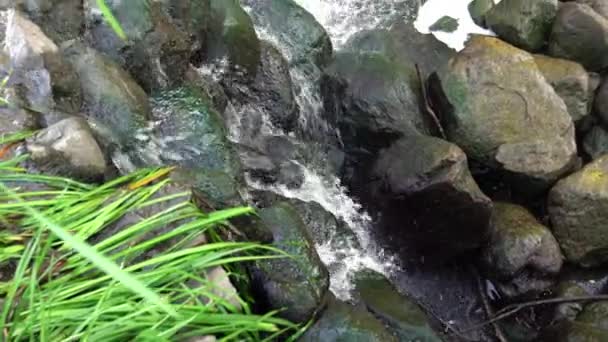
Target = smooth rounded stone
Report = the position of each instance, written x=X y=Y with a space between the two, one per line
x=601 y=101
x=232 y=36
x=191 y=134
x=599 y=6
x=298 y=32
x=157 y=50
x=595 y=143
x=478 y=10
x=69 y=149
x=523 y=23
x=341 y=322
x=580 y=34
x=428 y=198
x=498 y=107
x=402 y=317
x=520 y=247
x=298 y=284
x=570 y=81
x=44 y=78
x=403 y=44
x=445 y=24
x=371 y=99
x=263 y=168
x=590 y=325
x=61 y=20
x=578 y=207
x=111 y=98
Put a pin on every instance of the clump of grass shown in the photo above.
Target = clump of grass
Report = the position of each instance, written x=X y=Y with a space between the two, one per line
x=144 y=282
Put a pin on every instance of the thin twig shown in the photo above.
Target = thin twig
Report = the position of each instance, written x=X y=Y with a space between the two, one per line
x=512 y=309
x=488 y=308
x=426 y=101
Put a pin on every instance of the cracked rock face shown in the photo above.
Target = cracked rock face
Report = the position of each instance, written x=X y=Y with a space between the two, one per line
x=497 y=106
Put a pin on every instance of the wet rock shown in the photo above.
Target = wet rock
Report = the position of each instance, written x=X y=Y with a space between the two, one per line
x=157 y=50
x=497 y=106
x=568 y=311
x=402 y=316
x=271 y=92
x=345 y=322
x=299 y=284
x=39 y=69
x=525 y=24
x=214 y=189
x=428 y=198
x=580 y=34
x=595 y=143
x=111 y=98
x=233 y=37
x=478 y=10
x=570 y=81
x=297 y=30
x=601 y=101
x=403 y=44
x=445 y=24
x=267 y=170
x=577 y=207
x=191 y=134
x=68 y=148
x=372 y=100
x=61 y=20
x=600 y=6
x=521 y=255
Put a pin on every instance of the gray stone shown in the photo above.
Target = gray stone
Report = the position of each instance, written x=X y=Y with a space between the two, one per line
x=601 y=101
x=580 y=34
x=69 y=149
x=523 y=23
x=595 y=143
x=478 y=10
x=578 y=207
x=445 y=24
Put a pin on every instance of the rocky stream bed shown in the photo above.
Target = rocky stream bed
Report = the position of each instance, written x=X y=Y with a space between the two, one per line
x=418 y=187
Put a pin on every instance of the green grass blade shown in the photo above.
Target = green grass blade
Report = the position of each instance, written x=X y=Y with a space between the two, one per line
x=111 y=19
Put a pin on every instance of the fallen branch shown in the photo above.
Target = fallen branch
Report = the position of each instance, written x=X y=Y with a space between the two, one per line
x=512 y=309
x=426 y=103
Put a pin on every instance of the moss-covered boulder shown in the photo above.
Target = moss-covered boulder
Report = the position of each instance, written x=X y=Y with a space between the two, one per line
x=346 y=322
x=570 y=81
x=427 y=197
x=445 y=24
x=580 y=34
x=578 y=207
x=298 y=285
x=404 y=318
x=303 y=38
x=523 y=23
x=521 y=255
x=110 y=96
x=478 y=10
x=232 y=36
x=191 y=134
x=498 y=107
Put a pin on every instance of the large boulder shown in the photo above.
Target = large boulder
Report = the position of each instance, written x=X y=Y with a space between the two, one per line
x=232 y=37
x=498 y=107
x=346 y=322
x=523 y=23
x=69 y=149
x=302 y=37
x=298 y=284
x=39 y=70
x=580 y=34
x=570 y=81
x=428 y=198
x=578 y=210
x=404 y=318
x=116 y=104
x=157 y=50
x=521 y=255
x=61 y=20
